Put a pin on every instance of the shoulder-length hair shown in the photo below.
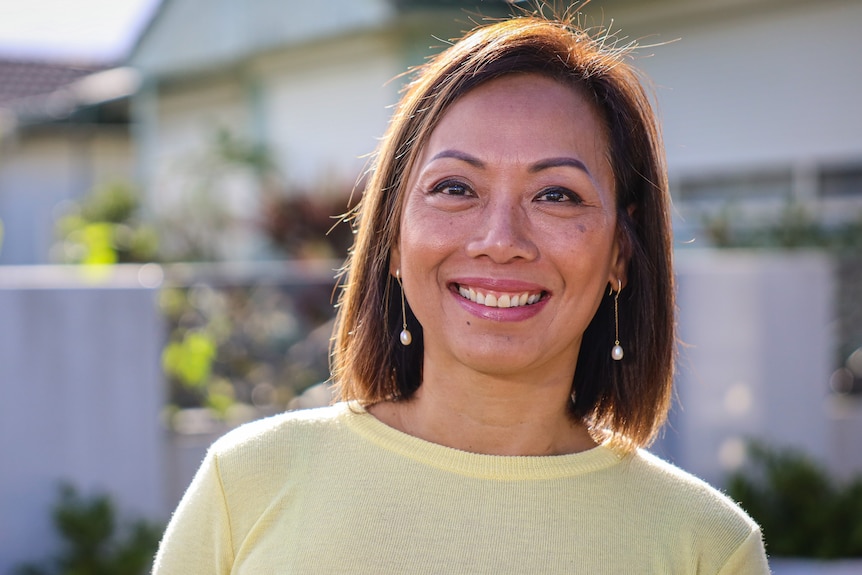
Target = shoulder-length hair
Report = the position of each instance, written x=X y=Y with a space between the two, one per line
x=627 y=398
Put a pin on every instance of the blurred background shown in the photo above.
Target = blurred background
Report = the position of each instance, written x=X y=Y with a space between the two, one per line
x=170 y=176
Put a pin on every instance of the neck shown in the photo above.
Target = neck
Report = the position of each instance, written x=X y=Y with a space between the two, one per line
x=490 y=415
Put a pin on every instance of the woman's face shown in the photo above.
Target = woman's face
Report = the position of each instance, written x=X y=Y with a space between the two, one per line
x=508 y=236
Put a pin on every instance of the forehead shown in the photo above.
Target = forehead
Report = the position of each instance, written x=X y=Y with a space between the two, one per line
x=530 y=86
x=523 y=99
x=523 y=116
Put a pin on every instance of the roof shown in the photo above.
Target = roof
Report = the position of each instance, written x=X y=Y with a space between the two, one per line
x=34 y=93
x=227 y=32
x=26 y=78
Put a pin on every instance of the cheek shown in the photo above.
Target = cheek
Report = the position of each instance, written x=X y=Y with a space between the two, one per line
x=584 y=247
x=584 y=233
x=428 y=231
x=420 y=253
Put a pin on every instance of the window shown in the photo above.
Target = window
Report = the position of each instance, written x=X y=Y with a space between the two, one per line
x=839 y=181
x=776 y=184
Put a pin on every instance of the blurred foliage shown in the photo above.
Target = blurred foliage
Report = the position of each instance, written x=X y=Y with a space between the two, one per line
x=232 y=150
x=795 y=228
x=231 y=197
x=93 y=543
x=105 y=228
x=307 y=227
x=206 y=213
x=237 y=347
x=802 y=512
x=231 y=347
x=190 y=359
x=203 y=223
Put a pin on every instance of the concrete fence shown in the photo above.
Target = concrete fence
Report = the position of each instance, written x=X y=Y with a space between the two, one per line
x=81 y=389
x=80 y=396
x=758 y=349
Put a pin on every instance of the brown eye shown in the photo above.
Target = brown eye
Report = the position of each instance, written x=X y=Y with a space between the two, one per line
x=558 y=195
x=452 y=188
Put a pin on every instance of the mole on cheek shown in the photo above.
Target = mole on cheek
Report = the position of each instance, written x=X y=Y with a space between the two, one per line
x=468 y=323
x=582 y=228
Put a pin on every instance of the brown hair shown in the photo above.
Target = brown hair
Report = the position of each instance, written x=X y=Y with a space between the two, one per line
x=628 y=398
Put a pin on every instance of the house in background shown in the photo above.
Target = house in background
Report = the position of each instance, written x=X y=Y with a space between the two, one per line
x=758 y=101
x=64 y=129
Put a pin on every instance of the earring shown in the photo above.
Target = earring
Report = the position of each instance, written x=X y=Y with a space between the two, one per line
x=405 y=336
x=617 y=350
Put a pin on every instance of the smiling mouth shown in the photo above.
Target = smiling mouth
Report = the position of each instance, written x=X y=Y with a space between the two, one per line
x=505 y=300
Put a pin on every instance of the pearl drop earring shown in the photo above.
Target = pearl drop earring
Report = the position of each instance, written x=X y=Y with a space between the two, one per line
x=405 y=336
x=617 y=350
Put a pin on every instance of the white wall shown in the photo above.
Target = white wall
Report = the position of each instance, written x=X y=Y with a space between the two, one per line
x=756 y=359
x=80 y=399
x=187 y=124
x=327 y=106
x=318 y=109
x=753 y=83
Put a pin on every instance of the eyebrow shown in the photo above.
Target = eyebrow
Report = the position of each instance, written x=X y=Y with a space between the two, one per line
x=458 y=155
x=563 y=161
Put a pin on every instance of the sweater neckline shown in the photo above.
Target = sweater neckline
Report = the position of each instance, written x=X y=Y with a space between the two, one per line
x=481 y=466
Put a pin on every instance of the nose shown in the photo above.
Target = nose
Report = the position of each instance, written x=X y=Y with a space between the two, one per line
x=503 y=233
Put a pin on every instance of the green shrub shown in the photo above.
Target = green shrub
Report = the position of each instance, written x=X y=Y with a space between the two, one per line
x=794 y=228
x=92 y=542
x=105 y=228
x=802 y=511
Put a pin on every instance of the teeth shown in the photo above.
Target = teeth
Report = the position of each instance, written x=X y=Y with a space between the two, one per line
x=503 y=301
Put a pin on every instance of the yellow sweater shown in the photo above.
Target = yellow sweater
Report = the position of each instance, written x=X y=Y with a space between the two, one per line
x=334 y=490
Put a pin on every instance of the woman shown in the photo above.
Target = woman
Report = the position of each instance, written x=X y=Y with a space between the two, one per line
x=504 y=348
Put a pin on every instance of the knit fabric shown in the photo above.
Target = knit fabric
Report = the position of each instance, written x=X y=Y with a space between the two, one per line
x=334 y=490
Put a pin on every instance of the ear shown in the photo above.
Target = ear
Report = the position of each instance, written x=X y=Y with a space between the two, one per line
x=622 y=252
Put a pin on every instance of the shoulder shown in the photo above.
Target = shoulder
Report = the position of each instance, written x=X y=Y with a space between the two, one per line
x=665 y=481
x=279 y=441
x=277 y=426
x=690 y=511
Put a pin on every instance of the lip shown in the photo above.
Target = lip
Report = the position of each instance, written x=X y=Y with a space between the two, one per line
x=499 y=286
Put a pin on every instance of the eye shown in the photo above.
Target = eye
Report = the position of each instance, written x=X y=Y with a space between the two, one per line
x=452 y=188
x=558 y=195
